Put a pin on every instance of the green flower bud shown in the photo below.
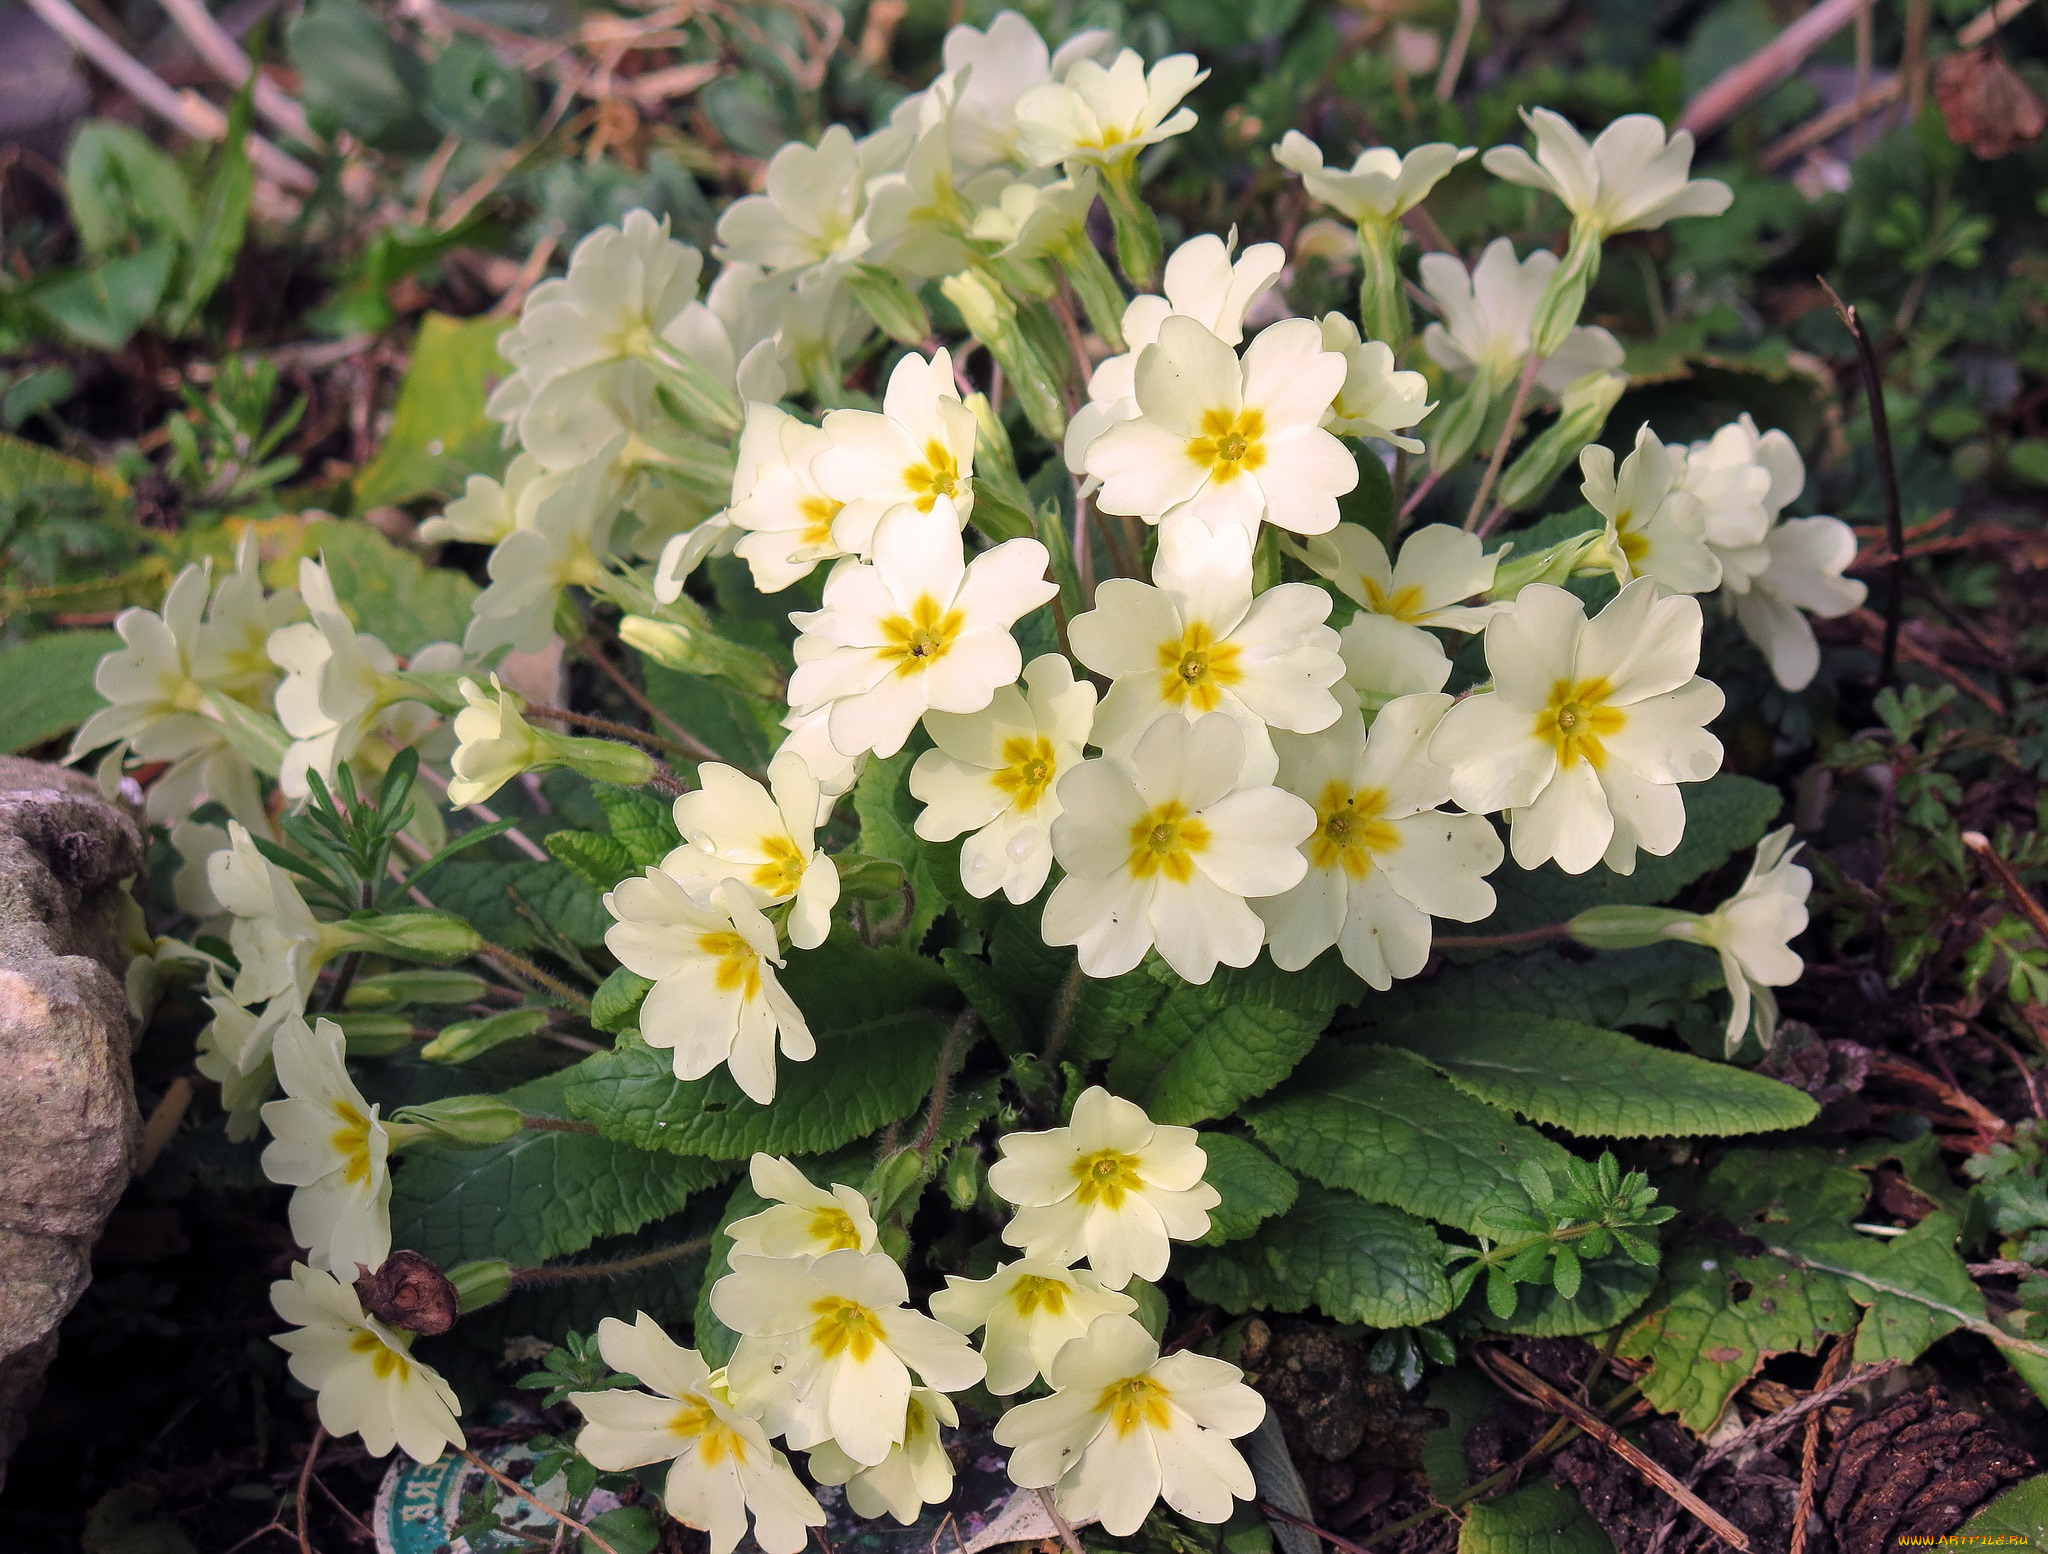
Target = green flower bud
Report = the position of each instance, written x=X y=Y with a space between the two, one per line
x=1383 y=312
x=1456 y=426
x=1101 y=297
x=1137 y=230
x=895 y=1182
x=1553 y=564
x=254 y=736
x=1558 y=309
x=893 y=306
x=601 y=760
x=480 y=1284
x=697 y=650
x=396 y=989
x=464 y=1119
x=870 y=879
x=1625 y=927
x=965 y=1177
x=1582 y=413
x=373 y=1035
x=466 y=1039
x=992 y=317
x=426 y=936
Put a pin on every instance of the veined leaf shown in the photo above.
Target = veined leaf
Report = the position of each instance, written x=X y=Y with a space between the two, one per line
x=482 y=892
x=616 y=1004
x=1648 y=987
x=1536 y=1519
x=2021 y=1512
x=599 y=861
x=46 y=685
x=1599 y=1084
x=643 y=824
x=1378 y=1122
x=1253 y=1186
x=439 y=432
x=887 y=813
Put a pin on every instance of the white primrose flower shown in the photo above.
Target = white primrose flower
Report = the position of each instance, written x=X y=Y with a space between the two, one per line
x=1440 y=568
x=1487 y=317
x=495 y=743
x=785 y=515
x=809 y=738
x=809 y=208
x=1589 y=727
x=328 y=1143
x=1032 y=1308
x=715 y=997
x=1385 y=658
x=364 y=1373
x=1374 y=400
x=827 y=1348
x=1225 y=441
x=1195 y=640
x=765 y=838
x=1629 y=179
x=916 y=1473
x=489 y=510
x=1804 y=577
x=278 y=943
x=1385 y=856
x=1125 y=1427
x=234 y=1052
x=917 y=215
x=1112 y=1186
x=723 y=1467
x=920 y=629
x=1105 y=115
x=564 y=548
x=993 y=70
x=995 y=773
x=919 y=450
x=1201 y=281
x=1743 y=480
x=1382 y=186
x=806 y=1220
x=1752 y=931
x=1654 y=528
x=1036 y=221
x=1162 y=846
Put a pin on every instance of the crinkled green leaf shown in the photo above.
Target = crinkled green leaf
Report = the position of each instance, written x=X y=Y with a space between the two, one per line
x=1254 y=1187
x=1378 y=1122
x=1205 y=1050
x=2021 y=1513
x=1645 y=988
x=1538 y=1518
x=616 y=1003
x=887 y=811
x=1029 y=979
x=599 y=861
x=1599 y=1084
x=478 y=891
x=643 y=823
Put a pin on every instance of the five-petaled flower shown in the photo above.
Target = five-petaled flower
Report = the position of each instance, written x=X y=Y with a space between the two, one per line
x=765 y=838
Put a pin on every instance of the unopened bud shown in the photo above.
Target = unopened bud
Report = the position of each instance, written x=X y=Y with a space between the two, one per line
x=1564 y=298
x=992 y=317
x=397 y=989
x=1625 y=927
x=1582 y=412
x=869 y=879
x=1456 y=427
x=464 y=1119
x=893 y=306
x=964 y=1177
x=601 y=760
x=698 y=650
x=427 y=936
x=466 y=1039
x=895 y=1182
x=372 y=1035
x=480 y=1284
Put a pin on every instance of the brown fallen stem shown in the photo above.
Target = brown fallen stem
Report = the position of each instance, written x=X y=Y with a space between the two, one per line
x=1809 y=1448
x=163 y=1122
x=2023 y=898
x=1060 y=1524
x=1535 y=1389
x=305 y=1483
x=1873 y=627
x=1888 y=483
x=1305 y=1525
x=519 y=1489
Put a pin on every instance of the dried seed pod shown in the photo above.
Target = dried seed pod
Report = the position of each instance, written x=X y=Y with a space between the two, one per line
x=1988 y=105
x=408 y=1291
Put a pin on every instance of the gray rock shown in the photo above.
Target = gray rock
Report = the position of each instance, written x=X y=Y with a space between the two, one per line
x=68 y=1122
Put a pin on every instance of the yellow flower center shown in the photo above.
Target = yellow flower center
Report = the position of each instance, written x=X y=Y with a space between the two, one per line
x=351 y=1141
x=1165 y=841
x=1576 y=720
x=1231 y=444
x=1133 y=1402
x=1198 y=669
x=1034 y=1292
x=1404 y=604
x=1104 y=1178
x=783 y=871
x=385 y=1362
x=920 y=639
x=818 y=513
x=845 y=1327
x=834 y=1230
x=696 y=1420
x=937 y=476
x=1027 y=771
x=1349 y=829
x=739 y=963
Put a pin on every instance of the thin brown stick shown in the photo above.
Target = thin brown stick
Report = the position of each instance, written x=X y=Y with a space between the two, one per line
x=305 y=1481
x=1506 y=439
x=1809 y=1450
x=1888 y=483
x=1863 y=63
x=1324 y=1533
x=687 y=742
x=536 y=1502
x=1535 y=1389
x=1743 y=83
x=1871 y=624
x=1913 y=61
x=2023 y=898
x=1060 y=1523
x=1460 y=45
x=162 y=1125
x=607 y=726
x=225 y=58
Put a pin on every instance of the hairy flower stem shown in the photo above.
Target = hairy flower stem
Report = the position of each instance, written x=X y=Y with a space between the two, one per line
x=568 y=1273
x=688 y=743
x=1502 y=941
x=1888 y=484
x=521 y=967
x=1504 y=441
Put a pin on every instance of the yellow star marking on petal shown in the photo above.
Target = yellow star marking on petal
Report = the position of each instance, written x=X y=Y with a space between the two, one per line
x=818 y=513
x=1576 y=719
x=352 y=1142
x=716 y=1440
x=844 y=1327
x=1634 y=543
x=1135 y=1401
x=1165 y=841
x=834 y=1229
x=1231 y=444
x=916 y=641
x=783 y=871
x=937 y=476
x=739 y=963
x=1403 y=604
x=1105 y=1177
x=1349 y=829
x=385 y=1361
x=1034 y=1292
x=1198 y=669
x=1027 y=771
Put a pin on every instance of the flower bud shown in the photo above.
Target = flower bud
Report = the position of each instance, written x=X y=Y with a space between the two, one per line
x=1100 y=295
x=1553 y=564
x=480 y=1284
x=965 y=1177
x=1137 y=230
x=1382 y=299
x=1625 y=927
x=254 y=736
x=397 y=989
x=701 y=397
x=699 y=651
x=893 y=306
x=464 y=1119
x=1581 y=414
x=992 y=318
x=426 y=936
x=1564 y=298
x=601 y=760
x=373 y=1035
x=869 y=879
x=895 y=1182
x=1456 y=427
x=466 y=1039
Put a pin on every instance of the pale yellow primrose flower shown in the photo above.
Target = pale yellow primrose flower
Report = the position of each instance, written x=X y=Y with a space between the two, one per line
x=1374 y=400
x=806 y=1220
x=1589 y=728
x=1105 y=115
x=1032 y=1308
x=1382 y=185
x=1125 y=1427
x=918 y=449
x=715 y=999
x=1630 y=179
x=916 y=1473
x=996 y=772
x=1752 y=931
x=367 y=1380
x=827 y=1347
x=1654 y=527
x=329 y=1144
x=786 y=515
x=723 y=1467
x=1804 y=577
x=764 y=838
x=1112 y=1185
x=1487 y=315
